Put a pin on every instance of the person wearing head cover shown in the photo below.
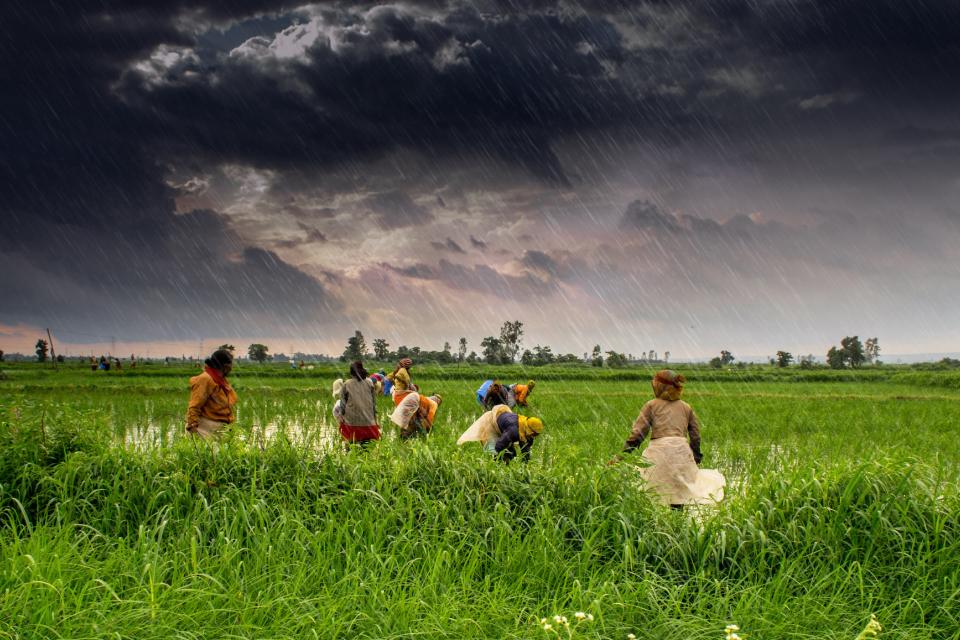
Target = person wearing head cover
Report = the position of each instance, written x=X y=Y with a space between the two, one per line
x=517 y=434
x=377 y=379
x=490 y=427
x=400 y=379
x=674 y=449
x=517 y=394
x=212 y=399
x=491 y=393
x=358 y=407
x=387 y=383
x=415 y=414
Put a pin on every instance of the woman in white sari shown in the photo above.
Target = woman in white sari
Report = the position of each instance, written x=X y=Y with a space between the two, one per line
x=415 y=413
x=674 y=449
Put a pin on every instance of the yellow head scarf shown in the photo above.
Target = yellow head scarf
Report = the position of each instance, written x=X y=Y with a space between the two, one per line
x=668 y=385
x=529 y=427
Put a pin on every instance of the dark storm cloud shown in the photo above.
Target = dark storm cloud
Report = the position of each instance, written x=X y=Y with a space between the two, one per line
x=159 y=283
x=647 y=215
x=310 y=235
x=90 y=234
x=395 y=209
x=478 y=278
x=104 y=101
x=560 y=265
x=450 y=245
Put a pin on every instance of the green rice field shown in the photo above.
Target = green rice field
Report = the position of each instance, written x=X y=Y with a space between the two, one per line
x=842 y=502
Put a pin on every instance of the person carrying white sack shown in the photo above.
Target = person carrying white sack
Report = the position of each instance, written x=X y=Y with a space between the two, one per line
x=485 y=429
x=415 y=413
x=674 y=450
x=504 y=434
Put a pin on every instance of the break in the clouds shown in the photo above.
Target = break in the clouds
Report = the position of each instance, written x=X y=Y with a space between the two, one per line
x=686 y=176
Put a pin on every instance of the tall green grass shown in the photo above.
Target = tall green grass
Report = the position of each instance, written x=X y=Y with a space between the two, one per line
x=831 y=517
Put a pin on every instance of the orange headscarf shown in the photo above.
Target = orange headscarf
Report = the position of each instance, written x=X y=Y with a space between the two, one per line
x=668 y=385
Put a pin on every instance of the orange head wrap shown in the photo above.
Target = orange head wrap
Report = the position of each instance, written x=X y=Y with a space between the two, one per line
x=668 y=385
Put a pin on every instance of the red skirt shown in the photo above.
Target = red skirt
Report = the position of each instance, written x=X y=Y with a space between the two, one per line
x=359 y=434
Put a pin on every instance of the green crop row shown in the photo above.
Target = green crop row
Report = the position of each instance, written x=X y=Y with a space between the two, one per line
x=842 y=502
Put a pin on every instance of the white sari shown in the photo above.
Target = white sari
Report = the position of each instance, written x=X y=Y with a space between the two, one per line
x=675 y=476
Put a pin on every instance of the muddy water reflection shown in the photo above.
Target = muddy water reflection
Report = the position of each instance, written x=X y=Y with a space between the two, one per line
x=261 y=421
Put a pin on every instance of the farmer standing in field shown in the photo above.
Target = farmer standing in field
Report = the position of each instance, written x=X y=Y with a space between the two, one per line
x=358 y=402
x=211 y=397
x=400 y=379
x=504 y=433
x=674 y=449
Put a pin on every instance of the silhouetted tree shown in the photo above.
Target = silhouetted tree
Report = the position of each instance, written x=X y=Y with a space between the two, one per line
x=462 y=350
x=258 y=352
x=871 y=350
x=835 y=358
x=596 y=358
x=616 y=360
x=356 y=347
x=511 y=337
x=852 y=351
x=381 y=349
x=726 y=358
x=492 y=350
x=42 y=349
x=784 y=358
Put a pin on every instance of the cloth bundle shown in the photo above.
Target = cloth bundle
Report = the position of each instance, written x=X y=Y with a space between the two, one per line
x=676 y=478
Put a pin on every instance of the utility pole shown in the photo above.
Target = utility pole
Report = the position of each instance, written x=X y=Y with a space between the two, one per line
x=53 y=354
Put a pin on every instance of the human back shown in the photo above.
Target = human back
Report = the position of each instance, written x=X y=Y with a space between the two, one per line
x=360 y=404
x=668 y=418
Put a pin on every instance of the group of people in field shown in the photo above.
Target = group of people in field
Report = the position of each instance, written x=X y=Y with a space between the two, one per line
x=672 y=457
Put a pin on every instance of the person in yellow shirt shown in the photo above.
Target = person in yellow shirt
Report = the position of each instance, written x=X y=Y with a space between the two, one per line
x=401 y=380
x=212 y=399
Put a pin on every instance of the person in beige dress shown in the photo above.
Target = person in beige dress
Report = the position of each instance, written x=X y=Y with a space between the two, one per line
x=674 y=450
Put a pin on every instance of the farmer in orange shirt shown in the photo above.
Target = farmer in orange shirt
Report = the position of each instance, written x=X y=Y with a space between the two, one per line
x=211 y=397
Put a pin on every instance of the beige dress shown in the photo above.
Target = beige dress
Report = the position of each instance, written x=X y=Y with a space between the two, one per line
x=673 y=473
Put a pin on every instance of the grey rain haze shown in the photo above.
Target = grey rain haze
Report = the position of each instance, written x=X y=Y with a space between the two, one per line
x=685 y=176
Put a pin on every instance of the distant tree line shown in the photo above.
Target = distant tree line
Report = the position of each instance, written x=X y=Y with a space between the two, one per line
x=507 y=348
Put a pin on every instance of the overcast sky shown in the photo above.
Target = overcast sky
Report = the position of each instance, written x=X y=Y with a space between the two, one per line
x=744 y=175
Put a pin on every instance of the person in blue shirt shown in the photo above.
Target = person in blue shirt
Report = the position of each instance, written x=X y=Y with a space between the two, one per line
x=491 y=393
